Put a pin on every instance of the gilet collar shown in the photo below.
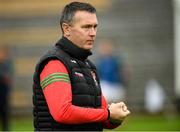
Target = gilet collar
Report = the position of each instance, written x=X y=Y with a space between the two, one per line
x=72 y=49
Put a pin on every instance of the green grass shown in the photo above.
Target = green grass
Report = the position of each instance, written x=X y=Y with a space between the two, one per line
x=150 y=123
x=132 y=123
x=21 y=124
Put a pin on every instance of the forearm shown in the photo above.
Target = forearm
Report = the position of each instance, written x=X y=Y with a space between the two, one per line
x=77 y=115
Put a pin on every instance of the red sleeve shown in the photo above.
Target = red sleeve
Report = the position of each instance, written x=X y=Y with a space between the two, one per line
x=59 y=99
x=104 y=102
x=107 y=124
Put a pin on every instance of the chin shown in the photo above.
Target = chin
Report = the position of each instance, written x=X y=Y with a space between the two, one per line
x=88 y=48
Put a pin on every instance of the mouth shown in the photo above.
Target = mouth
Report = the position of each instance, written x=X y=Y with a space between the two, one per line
x=90 y=41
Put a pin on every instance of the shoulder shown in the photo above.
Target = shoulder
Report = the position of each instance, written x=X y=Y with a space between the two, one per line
x=53 y=66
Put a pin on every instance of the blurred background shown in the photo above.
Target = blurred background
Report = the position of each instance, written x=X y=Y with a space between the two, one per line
x=145 y=33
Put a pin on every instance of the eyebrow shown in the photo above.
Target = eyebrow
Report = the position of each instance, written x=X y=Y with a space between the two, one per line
x=90 y=25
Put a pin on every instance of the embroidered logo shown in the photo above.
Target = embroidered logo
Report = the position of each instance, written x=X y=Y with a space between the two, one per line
x=73 y=61
x=79 y=74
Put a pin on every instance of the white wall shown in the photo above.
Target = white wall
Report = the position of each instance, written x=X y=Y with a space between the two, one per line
x=177 y=45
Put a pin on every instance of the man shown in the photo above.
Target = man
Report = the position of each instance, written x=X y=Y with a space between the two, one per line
x=5 y=85
x=113 y=72
x=66 y=92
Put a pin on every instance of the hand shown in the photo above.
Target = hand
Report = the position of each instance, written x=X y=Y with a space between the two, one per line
x=118 y=112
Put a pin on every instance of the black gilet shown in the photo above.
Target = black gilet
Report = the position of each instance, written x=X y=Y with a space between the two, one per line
x=86 y=91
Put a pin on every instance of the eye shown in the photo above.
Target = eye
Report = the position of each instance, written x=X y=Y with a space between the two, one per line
x=88 y=27
x=95 y=26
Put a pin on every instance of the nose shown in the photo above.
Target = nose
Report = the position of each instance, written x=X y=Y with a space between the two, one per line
x=92 y=32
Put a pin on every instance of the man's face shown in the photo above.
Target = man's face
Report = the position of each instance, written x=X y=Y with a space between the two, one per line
x=83 y=30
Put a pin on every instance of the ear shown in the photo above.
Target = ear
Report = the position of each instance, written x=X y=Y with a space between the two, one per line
x=66 y=29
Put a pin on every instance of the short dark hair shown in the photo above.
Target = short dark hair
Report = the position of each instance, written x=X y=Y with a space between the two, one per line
x=70 y=10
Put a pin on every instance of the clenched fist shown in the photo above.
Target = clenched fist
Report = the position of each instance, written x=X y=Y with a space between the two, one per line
x=118 y=112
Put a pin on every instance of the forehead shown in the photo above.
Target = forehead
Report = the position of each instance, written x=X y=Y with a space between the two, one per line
x=85 y=17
